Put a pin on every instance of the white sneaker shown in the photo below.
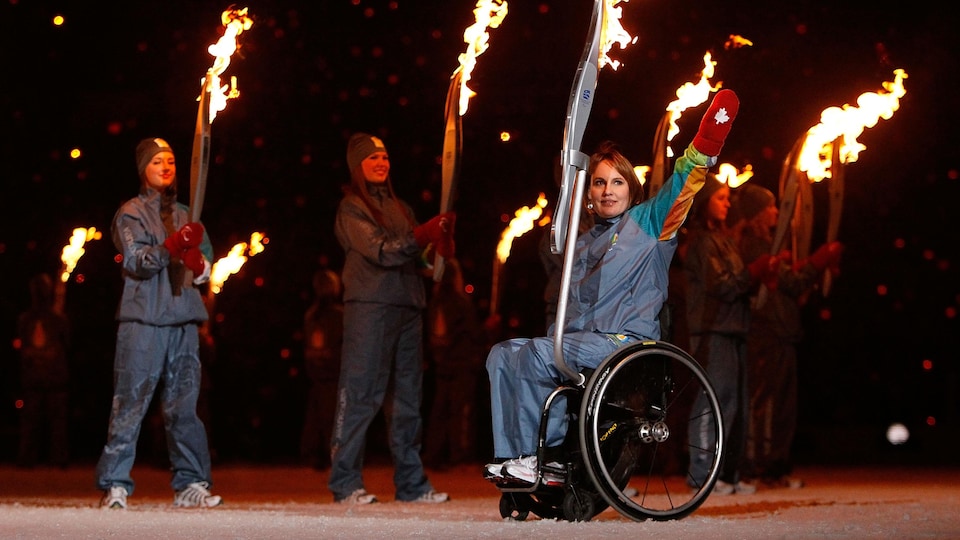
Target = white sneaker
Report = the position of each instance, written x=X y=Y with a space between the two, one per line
x=359 y=496
x=493 y=471
x=525 y=468
x=114 y=498
x=431 y=497
x=196 y=495
x=740 y=488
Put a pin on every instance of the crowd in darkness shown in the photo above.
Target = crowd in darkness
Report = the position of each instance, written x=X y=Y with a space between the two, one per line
x=313 y=73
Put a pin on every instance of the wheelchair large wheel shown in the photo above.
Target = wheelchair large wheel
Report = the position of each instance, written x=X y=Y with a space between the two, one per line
x=638 y=407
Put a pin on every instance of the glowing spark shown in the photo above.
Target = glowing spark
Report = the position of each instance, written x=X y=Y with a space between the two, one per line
x=849 y=121
x=231 y=264
x=489 y=14
x=522 y=222
x=74 y=250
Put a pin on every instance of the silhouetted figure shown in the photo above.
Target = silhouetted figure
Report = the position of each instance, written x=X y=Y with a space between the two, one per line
x=323 y=340
x=457 y=345
x=44 y=335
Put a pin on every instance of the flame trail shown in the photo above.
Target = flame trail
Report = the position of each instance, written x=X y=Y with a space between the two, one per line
x=74 y=250
x=488 y=14
x=524 y=220
x=846 y=124
x=231 y=264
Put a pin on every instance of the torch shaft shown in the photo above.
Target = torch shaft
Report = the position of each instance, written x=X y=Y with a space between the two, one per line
x=200 y=159
x=450 y=161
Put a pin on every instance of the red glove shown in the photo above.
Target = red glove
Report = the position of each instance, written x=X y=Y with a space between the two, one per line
x=194 y=261
x=827 y=256
x=433 y=230
x=189 y=236
x=716 y=123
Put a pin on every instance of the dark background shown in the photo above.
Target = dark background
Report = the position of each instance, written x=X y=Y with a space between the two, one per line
x=310 y=73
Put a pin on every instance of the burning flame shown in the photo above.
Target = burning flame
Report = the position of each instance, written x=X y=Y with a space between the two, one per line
x=488 y=13
x=231 y=264
x=235 y=21
x=612 y=32
x=74 y=250
x=848 y=121
x=641 y=172
x=690 y=95
x=728 y=173
x=735 y=42
x=524 y=220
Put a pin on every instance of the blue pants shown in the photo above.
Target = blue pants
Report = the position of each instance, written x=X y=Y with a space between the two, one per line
x=379 y=340
x=145 y=356
x=523 y=373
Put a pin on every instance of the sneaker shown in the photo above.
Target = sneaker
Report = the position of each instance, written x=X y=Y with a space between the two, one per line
x=740 y=488
x=431 y=497
x=493 y=471
x=196 y=495
x=524 y=468
x=784 y=481
x=359 y=496
x=114 y=498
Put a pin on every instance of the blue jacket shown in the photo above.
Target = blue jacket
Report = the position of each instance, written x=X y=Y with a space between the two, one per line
x=620 y=274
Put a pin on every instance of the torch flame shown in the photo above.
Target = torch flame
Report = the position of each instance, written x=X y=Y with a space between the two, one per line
x=690 y=95
x=735 y=42
x=74 y=250
x=235 y=22
x=849 y=121
x=489 y=14
x=524 y=220
x=612 y=32
x=728 y=174
x=231 y=264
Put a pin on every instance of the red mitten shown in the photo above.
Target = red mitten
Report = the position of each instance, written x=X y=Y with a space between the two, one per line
x=433 y=230
x=189 y=236
x=827 y=256
x=194 y=261
x=716 y=123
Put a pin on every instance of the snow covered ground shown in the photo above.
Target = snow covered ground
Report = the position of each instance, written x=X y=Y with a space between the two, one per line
x=293 y=502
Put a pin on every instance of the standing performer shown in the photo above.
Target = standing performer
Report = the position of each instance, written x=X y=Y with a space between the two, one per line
x=157 y=338
x=384 y=300
x=618 y=286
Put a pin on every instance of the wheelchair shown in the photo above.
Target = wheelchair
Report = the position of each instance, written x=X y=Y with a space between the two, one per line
x=629 y=419
x=626 y=443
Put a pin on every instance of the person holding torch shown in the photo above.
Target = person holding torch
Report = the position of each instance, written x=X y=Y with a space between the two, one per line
x=618 y=287
x=384 y=300
x=158 y=342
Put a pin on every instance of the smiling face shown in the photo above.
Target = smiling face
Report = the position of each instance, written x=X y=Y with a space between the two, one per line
x=609 y=191
x=376 y=167
x=161 y=170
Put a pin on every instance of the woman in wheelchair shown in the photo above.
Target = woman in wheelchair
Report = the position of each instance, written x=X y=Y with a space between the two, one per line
x=618 y=286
